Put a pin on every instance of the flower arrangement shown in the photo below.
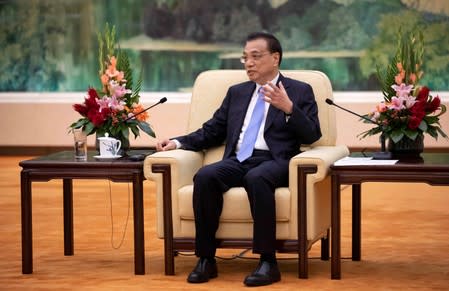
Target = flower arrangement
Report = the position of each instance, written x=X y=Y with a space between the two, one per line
x=106 y=110
x=408 y=110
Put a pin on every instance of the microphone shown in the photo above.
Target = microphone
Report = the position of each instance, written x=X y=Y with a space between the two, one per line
x=163 y=99
x=140 y=157
x=330 y=102
x=383 y=154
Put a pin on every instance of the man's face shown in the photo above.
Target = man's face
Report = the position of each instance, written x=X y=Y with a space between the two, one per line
x=261 y=66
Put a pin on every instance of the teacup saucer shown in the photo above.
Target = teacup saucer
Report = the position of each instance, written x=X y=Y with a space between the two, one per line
x=107 y=157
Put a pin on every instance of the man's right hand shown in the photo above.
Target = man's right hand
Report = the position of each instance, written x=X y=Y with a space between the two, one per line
x=165 y=145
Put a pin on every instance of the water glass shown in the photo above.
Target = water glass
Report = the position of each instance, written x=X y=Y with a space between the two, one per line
x=80 y=143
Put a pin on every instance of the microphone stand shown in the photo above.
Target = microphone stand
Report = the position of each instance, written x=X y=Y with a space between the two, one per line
x=163 y=99
x=383 y=154
x=141 y=157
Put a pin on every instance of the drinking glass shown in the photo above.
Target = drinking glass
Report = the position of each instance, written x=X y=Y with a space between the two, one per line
x=80 y=143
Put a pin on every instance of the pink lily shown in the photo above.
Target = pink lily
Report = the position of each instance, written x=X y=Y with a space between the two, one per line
x=397 y=103
x=104 y=102
x=409 y=101
x=402 y=90
x=120 y=91
x=116 y=104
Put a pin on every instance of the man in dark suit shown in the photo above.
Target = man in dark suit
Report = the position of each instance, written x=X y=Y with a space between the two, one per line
x=288 y=118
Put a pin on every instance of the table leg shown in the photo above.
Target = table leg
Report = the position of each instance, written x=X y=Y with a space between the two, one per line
x=335 y=228
x=27 y=223
x=67 y=185
x=356 y=222
x=139 y=238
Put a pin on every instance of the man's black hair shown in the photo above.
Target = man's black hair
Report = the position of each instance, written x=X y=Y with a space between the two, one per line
x=274 y=46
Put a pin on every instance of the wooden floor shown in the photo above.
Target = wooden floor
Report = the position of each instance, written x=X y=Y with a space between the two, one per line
x=405 y=242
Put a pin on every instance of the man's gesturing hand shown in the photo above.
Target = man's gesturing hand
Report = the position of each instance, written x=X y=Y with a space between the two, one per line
x=277 y=96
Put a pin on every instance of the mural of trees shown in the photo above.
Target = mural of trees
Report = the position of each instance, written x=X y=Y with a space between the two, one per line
x=50 y=45
x=30 y=42
x=436 y=46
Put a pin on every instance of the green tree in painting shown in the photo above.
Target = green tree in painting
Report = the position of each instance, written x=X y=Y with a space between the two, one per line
x=352 y=24
x=206 y=20
x=31 y=44
x=50 y=45
x=436 y=55
x=436 y=46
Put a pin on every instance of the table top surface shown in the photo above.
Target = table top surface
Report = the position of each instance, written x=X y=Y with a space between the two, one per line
x=427 y=161
x=67 y=159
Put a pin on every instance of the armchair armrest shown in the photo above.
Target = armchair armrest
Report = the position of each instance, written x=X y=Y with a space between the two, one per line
x=183 y=164
x=170 y=170
x=305 y=170
x=320 y=156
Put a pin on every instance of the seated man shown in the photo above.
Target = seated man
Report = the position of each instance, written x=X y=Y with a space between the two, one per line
x=263 y=121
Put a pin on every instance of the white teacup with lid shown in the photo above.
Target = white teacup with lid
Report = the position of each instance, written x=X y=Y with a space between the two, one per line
x=109 y=146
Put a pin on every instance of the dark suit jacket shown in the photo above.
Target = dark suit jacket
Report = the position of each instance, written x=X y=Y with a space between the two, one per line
x=283 y=138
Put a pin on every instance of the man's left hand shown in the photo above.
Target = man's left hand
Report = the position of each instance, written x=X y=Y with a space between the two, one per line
x=277 y=96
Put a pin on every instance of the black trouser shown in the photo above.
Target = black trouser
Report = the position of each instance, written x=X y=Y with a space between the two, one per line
x=260 y=175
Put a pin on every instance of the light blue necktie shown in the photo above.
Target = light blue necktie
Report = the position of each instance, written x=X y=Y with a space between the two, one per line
x=249 y=139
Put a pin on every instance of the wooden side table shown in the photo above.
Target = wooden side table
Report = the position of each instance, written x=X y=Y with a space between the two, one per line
x=62 y=165
x=432 y=169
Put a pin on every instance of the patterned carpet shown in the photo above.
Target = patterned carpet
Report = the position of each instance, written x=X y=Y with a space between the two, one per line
x=405 y=242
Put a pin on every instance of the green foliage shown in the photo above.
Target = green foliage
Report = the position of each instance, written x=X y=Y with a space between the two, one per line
x=409 y=54
x=292 y=32
x=436 y=65
x=386 y=78
x=31 y=45
x=385 y=42
x=225 y=22
x=346 y=26
x=106 y=46
x=51 y=45
x=124 y=64
x=435 y=47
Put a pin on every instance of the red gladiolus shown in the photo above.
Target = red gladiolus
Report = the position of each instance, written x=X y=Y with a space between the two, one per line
x=418 y=109
x=96 y=118
x=91 y=100
x=423 y=94
x=417 y=114
x=105 y=112
x=81 y=109
x=92 y=92
x=433 y=105
x=414 y=122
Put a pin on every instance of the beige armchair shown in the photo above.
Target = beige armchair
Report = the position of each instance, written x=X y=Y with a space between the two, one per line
x=302 y=209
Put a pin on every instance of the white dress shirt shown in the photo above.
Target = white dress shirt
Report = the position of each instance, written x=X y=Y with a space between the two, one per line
x=260 y=141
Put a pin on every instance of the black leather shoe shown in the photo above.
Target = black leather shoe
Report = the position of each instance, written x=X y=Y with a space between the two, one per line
x=204 y=270
x=265 y=274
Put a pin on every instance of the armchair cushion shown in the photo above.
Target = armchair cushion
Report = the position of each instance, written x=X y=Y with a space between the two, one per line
x=235 y=196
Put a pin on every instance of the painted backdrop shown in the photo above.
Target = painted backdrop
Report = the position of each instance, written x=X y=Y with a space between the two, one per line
x=51 y=45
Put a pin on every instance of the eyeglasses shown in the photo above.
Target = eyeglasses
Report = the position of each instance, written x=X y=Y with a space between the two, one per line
x=254 y=57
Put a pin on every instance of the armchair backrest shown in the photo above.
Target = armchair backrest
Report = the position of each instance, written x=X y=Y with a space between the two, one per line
x=210 y=88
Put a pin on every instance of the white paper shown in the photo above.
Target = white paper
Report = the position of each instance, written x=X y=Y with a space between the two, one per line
x=362 y=161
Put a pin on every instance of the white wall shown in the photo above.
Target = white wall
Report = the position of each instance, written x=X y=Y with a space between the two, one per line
x=42 y=119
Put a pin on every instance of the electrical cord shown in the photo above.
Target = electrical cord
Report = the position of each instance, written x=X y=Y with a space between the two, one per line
x=112 y=219
x=237 y=256
x=241 y=255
